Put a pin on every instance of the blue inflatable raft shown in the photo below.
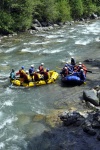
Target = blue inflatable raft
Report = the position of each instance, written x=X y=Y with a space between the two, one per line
x=72 y=79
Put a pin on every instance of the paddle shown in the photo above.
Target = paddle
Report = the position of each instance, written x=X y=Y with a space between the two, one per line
x=89 y=71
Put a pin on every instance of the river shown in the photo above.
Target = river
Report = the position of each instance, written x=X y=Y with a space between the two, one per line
x=19 y=105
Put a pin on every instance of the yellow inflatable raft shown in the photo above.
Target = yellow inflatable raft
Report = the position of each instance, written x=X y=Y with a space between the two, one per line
x=53 y=77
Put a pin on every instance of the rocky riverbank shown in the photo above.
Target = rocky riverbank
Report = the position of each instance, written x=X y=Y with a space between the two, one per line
x=72 y=129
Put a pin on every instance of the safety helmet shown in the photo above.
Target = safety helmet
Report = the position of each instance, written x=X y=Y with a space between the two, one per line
x=80 y=66
x=47 y=69
x=82 y=70
x=80 y=63
x=37 y=70
x=67 y=62
x=26 y=71
x=42 y=64
x=72 y=57
x=32 y=65
x=65 y=67
x=13 y=70
x=22 y=67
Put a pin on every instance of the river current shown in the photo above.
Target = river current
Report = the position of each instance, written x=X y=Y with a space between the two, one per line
x=19 y=105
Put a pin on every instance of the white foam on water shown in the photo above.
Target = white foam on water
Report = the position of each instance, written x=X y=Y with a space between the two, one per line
x=7 y=121
x=97 y=39
x=52 y=51
x=72 y=30
x=91 y=28
x=29 y=50
x=52 y=36
x=8 y=103
x=13 y=138
x=10 y=50
x=61 y=40
x=8 y=91
x=2 y=145
x=71 y=53
x=39 y=43
x=83 y=42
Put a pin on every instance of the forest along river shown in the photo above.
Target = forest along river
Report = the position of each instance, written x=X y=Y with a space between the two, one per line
x=19 y=105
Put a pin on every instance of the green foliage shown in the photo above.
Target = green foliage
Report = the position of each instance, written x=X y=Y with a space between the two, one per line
x=98 y=10
x=18 y=15
x=76 y=8
x=22 y=14
x=63 y=9
x=6 y=22
x=45 y=10
x=89 y=7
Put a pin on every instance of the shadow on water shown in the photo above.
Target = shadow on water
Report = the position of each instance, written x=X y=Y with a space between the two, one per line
x=69 y=84
x=64 y=138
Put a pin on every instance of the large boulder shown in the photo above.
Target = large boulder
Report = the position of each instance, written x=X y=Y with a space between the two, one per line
x=91 y=96
x=72 y=118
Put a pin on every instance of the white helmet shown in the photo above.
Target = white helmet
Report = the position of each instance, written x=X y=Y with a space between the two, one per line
x=37 y=70
x=32 y=65
x=26 y=71
x=80 y=63
x=67 y=62
x=82 y=70
x=42 y=64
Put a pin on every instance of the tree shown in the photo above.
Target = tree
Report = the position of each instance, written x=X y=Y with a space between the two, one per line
x=89 y=7
x=63 y=10
x=76 y=8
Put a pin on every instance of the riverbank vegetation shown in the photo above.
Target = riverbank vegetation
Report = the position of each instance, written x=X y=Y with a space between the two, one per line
x=18 y=15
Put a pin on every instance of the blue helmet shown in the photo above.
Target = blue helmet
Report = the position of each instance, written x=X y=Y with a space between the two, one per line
x=22 y=67
x=47 y=69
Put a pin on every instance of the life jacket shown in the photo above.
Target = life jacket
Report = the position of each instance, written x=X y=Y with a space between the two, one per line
x=84 y=68
x=12 y=75
x=64 y=71
x=31 y=71
x=41 y=69
x=27 y=78
x=21 y=73
x=37 y=76
x=46 y=75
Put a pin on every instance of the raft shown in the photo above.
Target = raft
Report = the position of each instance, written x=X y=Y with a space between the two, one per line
x=72 y=79
x=53 y=77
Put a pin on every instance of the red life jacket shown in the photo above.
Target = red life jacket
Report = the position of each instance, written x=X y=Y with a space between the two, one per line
x=41 y=69
x=36 y=76
x=21 y=73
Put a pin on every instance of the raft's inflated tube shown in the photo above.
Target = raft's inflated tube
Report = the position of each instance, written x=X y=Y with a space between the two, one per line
x=53 y=77
x=72 y=79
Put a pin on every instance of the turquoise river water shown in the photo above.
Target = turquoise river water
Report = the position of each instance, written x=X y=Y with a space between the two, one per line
x=17 y=104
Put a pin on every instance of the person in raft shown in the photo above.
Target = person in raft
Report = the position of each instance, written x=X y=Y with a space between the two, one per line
x=21 y=72
x=27 y=77
x=82 y=75
x=12 y=75
x=41 y=68
x=64 y=72
x=31 y=70
x=46 y=74
x=37 y=75
x=73 y=62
